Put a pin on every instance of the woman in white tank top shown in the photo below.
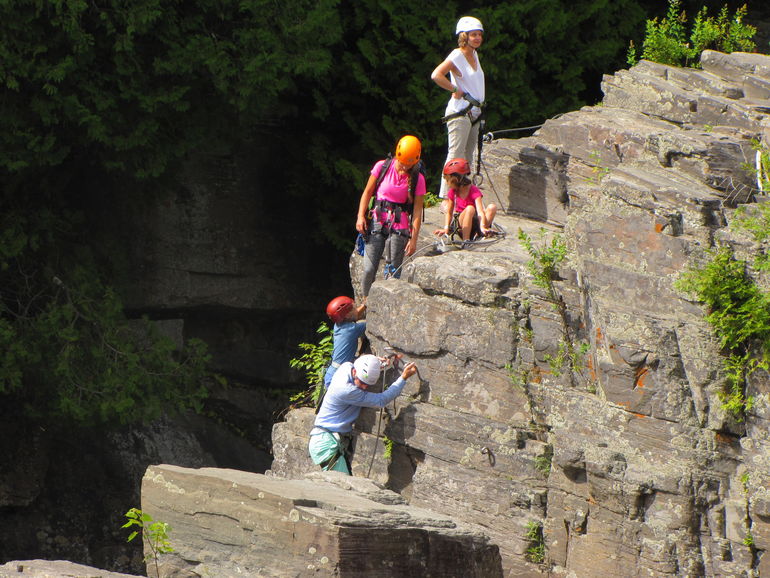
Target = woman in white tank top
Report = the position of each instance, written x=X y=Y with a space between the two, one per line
x=461 y=74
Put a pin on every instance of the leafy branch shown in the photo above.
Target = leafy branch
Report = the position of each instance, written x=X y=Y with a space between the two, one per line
x=154 y=534
x=313 y=362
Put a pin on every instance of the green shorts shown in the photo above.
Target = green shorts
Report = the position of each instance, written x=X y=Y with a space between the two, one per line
x=327 y=449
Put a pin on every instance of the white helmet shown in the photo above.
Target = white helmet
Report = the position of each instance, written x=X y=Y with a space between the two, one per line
x=368 y=369
x=468 y=23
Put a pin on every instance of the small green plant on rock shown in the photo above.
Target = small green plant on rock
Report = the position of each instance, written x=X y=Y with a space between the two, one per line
x=666 y=41
x=518 y=377
x=431 y=199
x=598 y=170
x=755 y=220
x=546 y=258
x=536 y=549
x=745 y=482
x=543 y=462
x=387 y=444
x=314 y=362
x=739 y=313
x=154 y=534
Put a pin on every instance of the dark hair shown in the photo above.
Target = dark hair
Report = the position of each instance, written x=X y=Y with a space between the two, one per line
x=461 y=178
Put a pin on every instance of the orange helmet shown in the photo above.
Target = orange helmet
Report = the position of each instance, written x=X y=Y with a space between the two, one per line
x=408 y=150
x=457 y=167
x=339 y=307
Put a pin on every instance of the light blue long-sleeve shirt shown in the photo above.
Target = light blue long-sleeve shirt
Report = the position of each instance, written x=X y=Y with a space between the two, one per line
x=343 y=400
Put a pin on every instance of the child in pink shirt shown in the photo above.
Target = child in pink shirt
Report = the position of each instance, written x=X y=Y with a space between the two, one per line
x=464 y=200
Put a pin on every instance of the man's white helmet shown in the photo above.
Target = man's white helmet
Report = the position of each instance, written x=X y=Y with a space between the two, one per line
x=368 y=369
x=468 y=23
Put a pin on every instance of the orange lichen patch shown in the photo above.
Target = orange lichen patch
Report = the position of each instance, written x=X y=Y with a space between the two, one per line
x=591 y=369
x=639 y=415
x=624 y=404
x=724 y=438
x=535 y=375
x=659 y=227
x=591 y=500
x=599 y=335
x=640 y=375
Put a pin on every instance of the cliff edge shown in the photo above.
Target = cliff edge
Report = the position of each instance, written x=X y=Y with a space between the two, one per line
x=628 y=466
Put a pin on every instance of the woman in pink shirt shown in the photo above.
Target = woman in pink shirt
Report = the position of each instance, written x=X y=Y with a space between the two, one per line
x=396 y=212
x=464 y=200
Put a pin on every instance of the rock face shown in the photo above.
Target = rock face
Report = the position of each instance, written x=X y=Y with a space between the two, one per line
x=231 y=523
x=626 y=466
x=55 y=569
x=212 y=256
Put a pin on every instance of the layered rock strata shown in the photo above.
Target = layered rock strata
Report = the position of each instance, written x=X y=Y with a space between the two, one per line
x=627 y=464
x=230 y=523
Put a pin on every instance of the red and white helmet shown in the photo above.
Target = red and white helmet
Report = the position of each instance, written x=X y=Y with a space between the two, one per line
x=339 y=307
x=457 y=167
x=468 y=24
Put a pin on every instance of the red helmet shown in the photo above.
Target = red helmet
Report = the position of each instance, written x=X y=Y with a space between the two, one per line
x=457 y=167
x=338 y=308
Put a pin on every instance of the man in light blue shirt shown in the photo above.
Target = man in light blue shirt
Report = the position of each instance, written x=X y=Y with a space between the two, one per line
x=342 y=404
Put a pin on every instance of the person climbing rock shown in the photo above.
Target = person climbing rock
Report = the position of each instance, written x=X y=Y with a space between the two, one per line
x=398 y=188
x=348 y=328
x=464 y=203
x=467 y=85
x=332 y=432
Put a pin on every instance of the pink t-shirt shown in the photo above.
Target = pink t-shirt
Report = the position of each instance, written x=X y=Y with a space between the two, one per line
x=460 y=204
x=395 y=188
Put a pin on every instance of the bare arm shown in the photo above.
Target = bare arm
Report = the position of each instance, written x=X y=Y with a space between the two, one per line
x=363 y=204
x=411 y=246
x=439 y=76
x=450 y=211
x=481 y=213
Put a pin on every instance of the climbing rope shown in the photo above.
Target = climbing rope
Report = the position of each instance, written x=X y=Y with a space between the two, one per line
x=392 y=361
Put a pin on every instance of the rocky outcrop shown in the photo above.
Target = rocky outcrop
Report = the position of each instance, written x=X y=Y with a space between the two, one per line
x=55 y=569
x=230 y=523
x=628 y=466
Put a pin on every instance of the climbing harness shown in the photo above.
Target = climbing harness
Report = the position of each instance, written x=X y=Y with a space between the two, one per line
x=388 y=212
x=472 y=102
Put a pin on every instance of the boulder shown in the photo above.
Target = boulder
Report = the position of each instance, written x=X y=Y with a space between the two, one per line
x=232 y=523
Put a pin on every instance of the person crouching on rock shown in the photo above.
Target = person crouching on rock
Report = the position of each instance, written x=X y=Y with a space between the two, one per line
x=464 y=203
x=332 y=431
x=348 y=328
